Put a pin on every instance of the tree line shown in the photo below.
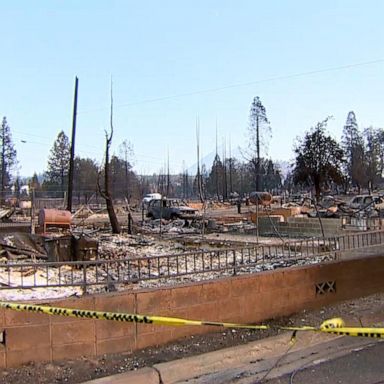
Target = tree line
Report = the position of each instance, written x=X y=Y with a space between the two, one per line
x=320 y=162
x=356 y=162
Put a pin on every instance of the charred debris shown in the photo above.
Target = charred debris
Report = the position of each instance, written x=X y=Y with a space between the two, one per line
x=59 y=236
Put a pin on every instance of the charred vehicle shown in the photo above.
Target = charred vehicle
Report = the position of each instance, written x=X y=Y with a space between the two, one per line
x=170 y=209
x=367 y=202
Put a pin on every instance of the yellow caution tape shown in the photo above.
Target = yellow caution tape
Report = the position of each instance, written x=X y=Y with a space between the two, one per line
x=118 y=316
x=337 y=326
x=326 y=325
x=332 y=323
x=356 y=331
x=334 y=326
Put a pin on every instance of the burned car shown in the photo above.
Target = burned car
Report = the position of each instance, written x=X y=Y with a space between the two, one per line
x=148 y=198
x=361 y=202
x=170 y=209
x=367 y=202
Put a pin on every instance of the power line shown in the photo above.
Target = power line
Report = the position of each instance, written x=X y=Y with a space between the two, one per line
x=137 y=157
x=83 y=147
x=239 y=85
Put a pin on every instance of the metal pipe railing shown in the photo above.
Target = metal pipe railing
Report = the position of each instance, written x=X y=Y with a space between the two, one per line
x=26 y=275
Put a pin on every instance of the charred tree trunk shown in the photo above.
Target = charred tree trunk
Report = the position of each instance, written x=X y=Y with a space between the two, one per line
x=317 y=189
x=199 y=178
x=106 y=193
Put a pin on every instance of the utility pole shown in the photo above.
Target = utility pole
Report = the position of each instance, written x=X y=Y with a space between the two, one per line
x=71 y=159
x=184 y=194
x=230 y=167
x=216 y=168
x=225 y=186
x=33 y=211
x=199 y=181
x=168 y=176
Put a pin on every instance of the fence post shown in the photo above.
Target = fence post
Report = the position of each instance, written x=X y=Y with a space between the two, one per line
x=84 y=279
x=234 y=262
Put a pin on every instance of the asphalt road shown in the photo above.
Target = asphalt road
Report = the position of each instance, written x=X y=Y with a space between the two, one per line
x=360 y=366
x=343 y=360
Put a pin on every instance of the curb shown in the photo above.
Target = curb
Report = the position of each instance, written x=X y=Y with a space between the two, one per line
x=145 y=375
x=235 y=357
x=232 y=358
x=229 y=358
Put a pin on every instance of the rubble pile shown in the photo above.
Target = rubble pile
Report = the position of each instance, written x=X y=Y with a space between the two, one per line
x=131 y=262
x=171 y=226
x=164 y=252
x=21 y=246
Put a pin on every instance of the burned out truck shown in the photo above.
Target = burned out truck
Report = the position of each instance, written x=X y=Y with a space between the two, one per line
x=170 y=209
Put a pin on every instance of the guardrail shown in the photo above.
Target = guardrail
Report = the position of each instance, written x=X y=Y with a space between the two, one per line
x=113 y=274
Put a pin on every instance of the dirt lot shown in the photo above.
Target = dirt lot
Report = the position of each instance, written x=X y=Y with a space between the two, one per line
x=83 y=369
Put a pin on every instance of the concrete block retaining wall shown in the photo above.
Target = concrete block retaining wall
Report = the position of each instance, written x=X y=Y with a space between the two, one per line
x=300 y=226
x=247 y=299
x=295 y=226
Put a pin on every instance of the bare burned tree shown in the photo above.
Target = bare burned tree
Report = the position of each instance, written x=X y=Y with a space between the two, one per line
x=106 y=192
x=199 y=178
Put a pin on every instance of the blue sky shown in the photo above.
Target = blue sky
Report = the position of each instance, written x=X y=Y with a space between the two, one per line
x=172 y=61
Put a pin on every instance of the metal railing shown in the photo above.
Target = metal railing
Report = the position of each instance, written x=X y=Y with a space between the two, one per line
x=205 y=264
x=361 y=240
